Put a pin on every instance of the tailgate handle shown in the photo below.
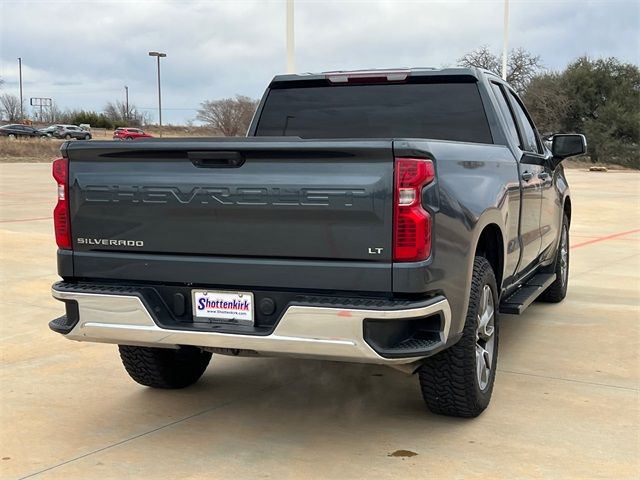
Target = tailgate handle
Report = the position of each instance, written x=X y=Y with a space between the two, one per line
x=216 y=159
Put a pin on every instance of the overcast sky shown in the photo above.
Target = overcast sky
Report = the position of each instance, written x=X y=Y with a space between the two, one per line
x=82 y=53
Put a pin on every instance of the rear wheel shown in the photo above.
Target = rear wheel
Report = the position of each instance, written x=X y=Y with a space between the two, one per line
x=459 y=381
x=558 y=289
x=87 y=137
x=164 y=367
x=67 y=137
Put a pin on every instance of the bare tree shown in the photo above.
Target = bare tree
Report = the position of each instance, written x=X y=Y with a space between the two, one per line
x=118 y=113
x=229 y=115
x=522 y=66
x=481 y=58
x=10 y=107
x=52 y=114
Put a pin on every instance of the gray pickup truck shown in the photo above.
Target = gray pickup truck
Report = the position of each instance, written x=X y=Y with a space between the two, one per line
x=383 y=217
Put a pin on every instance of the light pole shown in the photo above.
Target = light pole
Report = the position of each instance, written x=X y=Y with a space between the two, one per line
x=159 y=55
x=505 y=40
x=291 y=61
x=20 y=73
x=126 y=104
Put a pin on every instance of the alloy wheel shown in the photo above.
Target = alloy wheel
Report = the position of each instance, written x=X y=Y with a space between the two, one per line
x=485 y=337
x=564 y=257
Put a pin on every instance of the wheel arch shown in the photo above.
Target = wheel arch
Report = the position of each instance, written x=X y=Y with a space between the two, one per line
x=490 y=245
x=567 y=208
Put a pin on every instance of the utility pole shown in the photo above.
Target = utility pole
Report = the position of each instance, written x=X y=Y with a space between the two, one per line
x=159 y=55
x=20 y=73
x=126 y=104
x=291 y=62
x=505 y=40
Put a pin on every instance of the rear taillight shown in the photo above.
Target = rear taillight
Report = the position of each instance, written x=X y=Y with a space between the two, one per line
x=411 y=222
x=61 y=222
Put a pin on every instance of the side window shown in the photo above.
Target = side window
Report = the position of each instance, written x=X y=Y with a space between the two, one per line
x=529 y=138
x=506 y=111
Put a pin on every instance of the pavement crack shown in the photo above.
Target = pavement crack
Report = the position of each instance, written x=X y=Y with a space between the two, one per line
x=161 y=427
x=585 y=382
x=600 y=268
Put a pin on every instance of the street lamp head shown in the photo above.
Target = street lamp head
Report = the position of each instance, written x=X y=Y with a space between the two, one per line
x=157 y=54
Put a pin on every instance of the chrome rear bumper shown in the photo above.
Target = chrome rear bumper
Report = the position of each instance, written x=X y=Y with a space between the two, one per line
x=303 y=331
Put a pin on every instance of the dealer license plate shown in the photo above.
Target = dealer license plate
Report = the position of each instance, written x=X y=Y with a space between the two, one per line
x=223 y=307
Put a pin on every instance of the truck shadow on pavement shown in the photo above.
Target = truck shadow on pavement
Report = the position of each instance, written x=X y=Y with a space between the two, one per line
x=290 y=396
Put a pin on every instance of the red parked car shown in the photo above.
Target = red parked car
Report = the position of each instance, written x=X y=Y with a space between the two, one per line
x=125 y=133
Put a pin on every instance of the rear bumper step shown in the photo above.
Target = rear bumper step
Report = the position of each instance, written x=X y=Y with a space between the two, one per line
x=347 y=331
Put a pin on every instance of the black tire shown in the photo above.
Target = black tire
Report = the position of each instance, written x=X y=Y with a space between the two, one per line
x=128 y=138
x=449 y=380
x=87 y=137
x=163 y=367
x=556 y=292
x=67 y=137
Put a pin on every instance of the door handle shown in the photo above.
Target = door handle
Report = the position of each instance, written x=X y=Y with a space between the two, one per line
x=544 y=176
x=526 y=176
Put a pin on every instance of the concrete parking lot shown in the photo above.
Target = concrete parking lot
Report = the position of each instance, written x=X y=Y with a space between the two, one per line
x=565 y=403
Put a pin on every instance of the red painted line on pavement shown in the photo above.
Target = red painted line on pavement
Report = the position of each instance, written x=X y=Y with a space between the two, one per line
x=25 y=220
x=606 y=237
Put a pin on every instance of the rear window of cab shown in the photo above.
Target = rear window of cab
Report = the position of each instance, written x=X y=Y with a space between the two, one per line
x=439 y=111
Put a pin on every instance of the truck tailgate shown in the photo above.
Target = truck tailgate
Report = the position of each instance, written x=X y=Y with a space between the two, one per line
x=275 y=199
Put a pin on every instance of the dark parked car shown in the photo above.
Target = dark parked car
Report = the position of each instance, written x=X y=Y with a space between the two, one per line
x=71 y=131
x=17 y=130
x=384 y=217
